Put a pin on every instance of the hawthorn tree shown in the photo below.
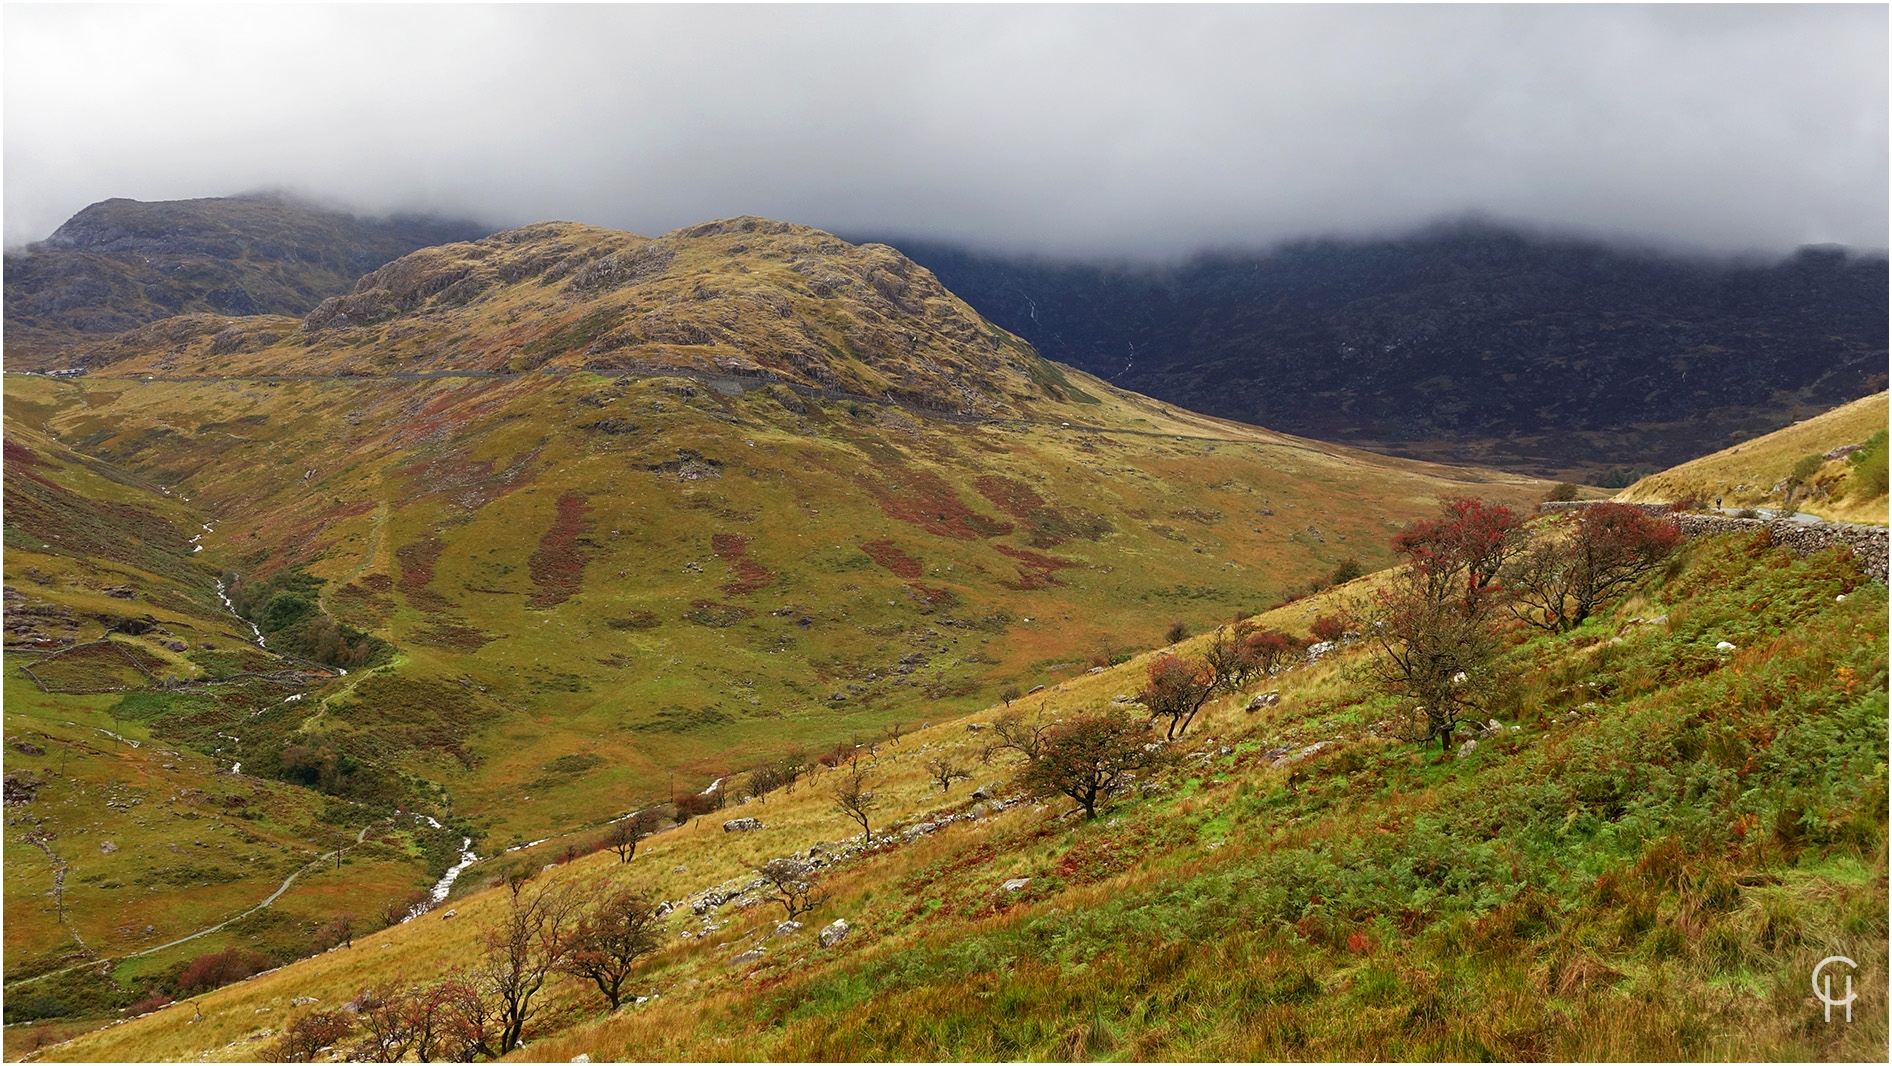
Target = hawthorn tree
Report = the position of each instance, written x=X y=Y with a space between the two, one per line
x=792 y=883
x=944 y=770
x=607 y=942
x=1228 y=662
x=384 y=1011
x=309 y=1034
x=520 y=951
x=1176 y=690
x=762 y=780
x=853 y=796
x=1329 y=627
x=1435 y=626
x=1012 y=731
x=1267 y=650
x=1086 y=757
x=622 y=835
x=1568 y=572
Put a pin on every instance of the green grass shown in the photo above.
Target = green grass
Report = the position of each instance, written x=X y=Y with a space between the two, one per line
x=1647 y=868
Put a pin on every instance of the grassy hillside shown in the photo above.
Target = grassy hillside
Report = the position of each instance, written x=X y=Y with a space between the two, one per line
x=1754 y=473
x=522 y=578
x=1643 y=859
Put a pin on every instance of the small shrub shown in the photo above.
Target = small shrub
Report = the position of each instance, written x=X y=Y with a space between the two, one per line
x=1177 y=631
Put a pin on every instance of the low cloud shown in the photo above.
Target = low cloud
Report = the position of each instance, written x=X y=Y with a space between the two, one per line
x=1122 y=131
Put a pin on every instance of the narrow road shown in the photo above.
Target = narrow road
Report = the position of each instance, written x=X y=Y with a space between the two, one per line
x=327 y=857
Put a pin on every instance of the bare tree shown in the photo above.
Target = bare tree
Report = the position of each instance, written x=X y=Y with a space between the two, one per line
x=1566 y=574
x=761 y=781
x=1088 y=756
x=622 y=835
x=607 y=942
x=793 y=885
x=895 y=731
x=944 y=770
x=1010 y=693
x=521 y=951
x=791 y=766
x=1012 y=731
x=854 y=797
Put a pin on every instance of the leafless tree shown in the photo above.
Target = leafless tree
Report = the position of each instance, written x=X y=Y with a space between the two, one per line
x=853 y=796
x=304 y=1037
x=1012 y=731
x=793 y=885
x=944 y=770
x=761 y=781
x=521 y=951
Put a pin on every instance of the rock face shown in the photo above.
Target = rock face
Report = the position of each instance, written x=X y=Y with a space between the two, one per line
x=834 y=933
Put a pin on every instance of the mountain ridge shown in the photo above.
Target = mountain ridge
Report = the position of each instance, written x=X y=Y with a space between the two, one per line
x=1464 y=342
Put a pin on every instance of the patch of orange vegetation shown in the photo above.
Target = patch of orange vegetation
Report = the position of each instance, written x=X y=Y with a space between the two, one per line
x=924 y=499
x=558 y=567
x=886 y=554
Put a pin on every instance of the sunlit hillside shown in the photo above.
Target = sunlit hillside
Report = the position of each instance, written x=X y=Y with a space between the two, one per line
x=1756 y=473
x=1678 y=810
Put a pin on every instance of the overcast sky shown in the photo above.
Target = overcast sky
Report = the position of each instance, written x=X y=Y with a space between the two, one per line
x=1132 y=131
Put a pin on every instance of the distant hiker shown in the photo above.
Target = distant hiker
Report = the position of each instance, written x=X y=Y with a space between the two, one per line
x=1717 y=503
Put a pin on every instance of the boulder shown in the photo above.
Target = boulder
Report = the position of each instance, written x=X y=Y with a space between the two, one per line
x=1015 y=884
x=741 y=825
x=752 y=955
x=1467 y=748
x=1266 y=699
x=1316 y=651
x=786 y=928
x=834 y=933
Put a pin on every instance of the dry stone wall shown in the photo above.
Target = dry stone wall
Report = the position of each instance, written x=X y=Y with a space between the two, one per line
x=1868 y=543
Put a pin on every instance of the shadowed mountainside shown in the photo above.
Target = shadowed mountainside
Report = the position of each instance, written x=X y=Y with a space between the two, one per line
x=121 y=263
x=1463 y=343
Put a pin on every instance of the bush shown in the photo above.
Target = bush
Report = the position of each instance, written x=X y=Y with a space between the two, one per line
x=1329 y=627
x=219 y=968
x=1348 y=569
x=33 y=1008
x=1177 y=631
x=1867 y=469
x=1561 y=492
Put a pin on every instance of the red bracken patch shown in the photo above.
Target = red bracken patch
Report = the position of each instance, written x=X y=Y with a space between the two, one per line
x=1034 y=571
x=884 y=553
x=417 y=572
x=558 y=567
x=22 y=455
x=750 y=576
x=924 y=499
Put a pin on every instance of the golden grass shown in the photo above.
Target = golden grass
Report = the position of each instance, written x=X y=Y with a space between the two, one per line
x=1744 y=475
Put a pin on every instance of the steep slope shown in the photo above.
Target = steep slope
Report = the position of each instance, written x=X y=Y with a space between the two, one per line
x=1756 y=473
x=1463 y=343
x=1644 y=859
x=582 y=542
x=121 y=263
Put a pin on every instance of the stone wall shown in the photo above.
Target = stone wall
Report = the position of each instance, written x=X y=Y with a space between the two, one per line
x=1868 y=543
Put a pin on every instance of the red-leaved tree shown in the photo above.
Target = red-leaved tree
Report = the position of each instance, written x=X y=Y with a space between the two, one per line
x=1567 y=573
x=1177 y=689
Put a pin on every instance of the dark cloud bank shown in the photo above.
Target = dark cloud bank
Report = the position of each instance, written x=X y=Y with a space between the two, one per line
x=1141 y=132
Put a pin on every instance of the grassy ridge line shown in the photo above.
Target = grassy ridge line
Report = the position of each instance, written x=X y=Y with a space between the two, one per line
x=1679 y=926
x=1762 y=462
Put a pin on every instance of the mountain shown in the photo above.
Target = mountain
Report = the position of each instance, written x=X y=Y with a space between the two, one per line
x=1463 y=343
x=544 y=527
x=121 y=263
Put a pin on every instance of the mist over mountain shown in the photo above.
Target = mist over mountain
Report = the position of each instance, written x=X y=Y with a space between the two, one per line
x=1467 y=341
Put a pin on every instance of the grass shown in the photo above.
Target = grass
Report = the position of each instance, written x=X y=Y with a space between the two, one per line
x=1745 y=474
x=1647 y=868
